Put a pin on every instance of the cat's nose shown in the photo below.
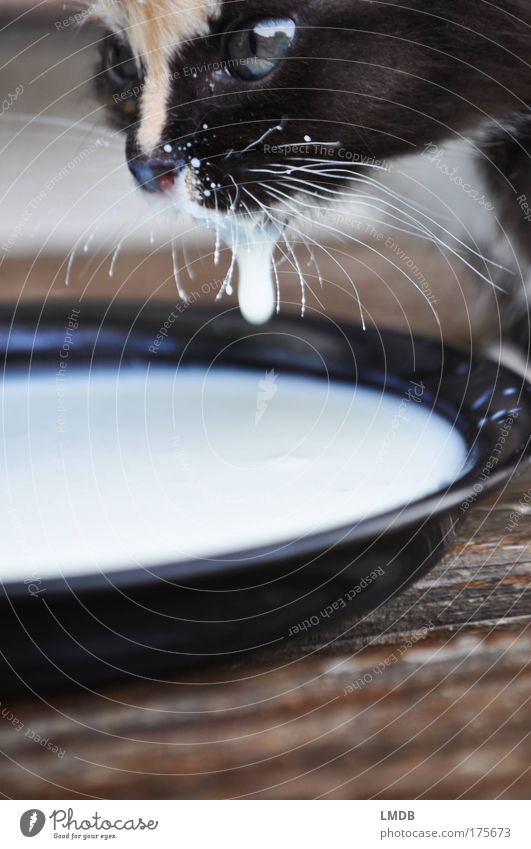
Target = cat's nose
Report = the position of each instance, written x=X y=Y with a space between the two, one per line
x=157 y=174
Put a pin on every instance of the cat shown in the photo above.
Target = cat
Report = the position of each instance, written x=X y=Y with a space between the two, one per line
x=261 y=108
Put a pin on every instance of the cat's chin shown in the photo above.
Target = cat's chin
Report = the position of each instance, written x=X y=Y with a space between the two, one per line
x=183 y=199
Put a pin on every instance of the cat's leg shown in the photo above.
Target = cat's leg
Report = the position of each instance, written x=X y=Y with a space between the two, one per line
x=506 y=164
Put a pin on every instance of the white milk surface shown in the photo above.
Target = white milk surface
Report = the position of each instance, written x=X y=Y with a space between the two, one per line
x=114 y=470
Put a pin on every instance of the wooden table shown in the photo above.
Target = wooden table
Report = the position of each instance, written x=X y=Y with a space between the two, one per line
x=426 y=698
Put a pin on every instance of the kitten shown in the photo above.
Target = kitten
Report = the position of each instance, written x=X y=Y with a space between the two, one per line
x=261 y=107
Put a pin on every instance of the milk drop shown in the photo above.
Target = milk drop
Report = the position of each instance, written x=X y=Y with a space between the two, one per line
x=253 y=249
x=256 y=291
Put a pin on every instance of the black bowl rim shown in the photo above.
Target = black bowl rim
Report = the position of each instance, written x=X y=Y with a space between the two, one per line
x=417 y=513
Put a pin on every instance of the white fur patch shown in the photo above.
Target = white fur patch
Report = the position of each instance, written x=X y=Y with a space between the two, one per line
x=156 y=31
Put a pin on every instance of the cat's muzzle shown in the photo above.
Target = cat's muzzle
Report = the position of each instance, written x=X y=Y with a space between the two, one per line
x=156 y=174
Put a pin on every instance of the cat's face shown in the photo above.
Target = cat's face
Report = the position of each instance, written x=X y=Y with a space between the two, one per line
x=244 y=104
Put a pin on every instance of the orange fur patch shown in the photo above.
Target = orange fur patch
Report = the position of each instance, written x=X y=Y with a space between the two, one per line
x=156 y=30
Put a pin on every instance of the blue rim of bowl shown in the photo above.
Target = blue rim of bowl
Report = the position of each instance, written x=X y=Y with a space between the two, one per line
x=490 y=382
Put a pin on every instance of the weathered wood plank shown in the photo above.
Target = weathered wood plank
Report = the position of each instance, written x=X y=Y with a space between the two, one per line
x=442 y=718
x=428 y=696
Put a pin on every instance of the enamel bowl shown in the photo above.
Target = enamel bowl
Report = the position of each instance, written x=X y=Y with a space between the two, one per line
x=182 y=487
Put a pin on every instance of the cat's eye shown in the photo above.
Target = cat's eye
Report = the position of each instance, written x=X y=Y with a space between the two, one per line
x=118 y=61
x=255 y=49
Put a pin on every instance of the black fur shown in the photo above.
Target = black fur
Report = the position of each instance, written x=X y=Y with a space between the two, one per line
x=380 y=78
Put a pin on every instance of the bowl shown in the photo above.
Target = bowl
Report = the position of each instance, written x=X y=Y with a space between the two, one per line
x=72 y=625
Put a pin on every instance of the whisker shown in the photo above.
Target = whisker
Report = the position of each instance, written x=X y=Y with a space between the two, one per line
x=217 y=247
x=327 y=252
x=276 y=128
x=70 y=263
x=415 y=284
x=317 y=143
x=371 y=182
x=176 y=274
x=115 y=256
x=336 y=162
x=189 y=266
x=419 y=289
x=234 y=203
x=432 y=237
x=277 y=282
x=301 y=276
x=335 y=174
x=86 y=246
x=227 y=282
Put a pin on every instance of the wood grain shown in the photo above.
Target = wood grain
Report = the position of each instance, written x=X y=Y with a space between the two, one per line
x=427 y=697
